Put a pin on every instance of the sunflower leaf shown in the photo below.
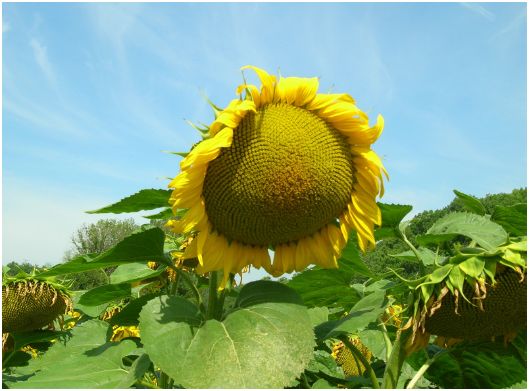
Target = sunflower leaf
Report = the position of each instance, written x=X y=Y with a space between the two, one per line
x=104 y=294
x=276 y=337
x=146 y=199
x=144 y=245
x=132 y=272
x=481 y=229
x=164 y=214
x=470 y=203
x=86 y=360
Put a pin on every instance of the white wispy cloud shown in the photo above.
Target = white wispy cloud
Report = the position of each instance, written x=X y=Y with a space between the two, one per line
x=479 y=10
x=41 y=57
x=44 y=119
x=514 y=24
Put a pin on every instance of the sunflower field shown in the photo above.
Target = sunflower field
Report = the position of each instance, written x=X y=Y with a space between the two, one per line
x=285 y=180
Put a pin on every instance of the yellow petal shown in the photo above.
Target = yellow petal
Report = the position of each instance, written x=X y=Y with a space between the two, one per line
x=296 y=90
x=250 y=89
x=208 y=149
x=268 y=84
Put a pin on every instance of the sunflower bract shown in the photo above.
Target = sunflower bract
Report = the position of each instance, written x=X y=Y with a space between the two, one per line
x=30 y=305
x=503 y=311
x=283 y=168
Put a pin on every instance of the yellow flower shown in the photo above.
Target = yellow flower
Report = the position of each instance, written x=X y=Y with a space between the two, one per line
x=121 y=332
x=351 y=365
x=284 y=168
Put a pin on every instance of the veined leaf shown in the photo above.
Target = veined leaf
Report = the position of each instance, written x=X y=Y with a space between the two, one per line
x=86 y=360
x=131 y=272
x=164 y=214
x=146 y=245
x=427 y=256
x=364 y=312
x=470 y=203
x=146 y=199
x=104 y=294
x=275 y=337
x=485 y=232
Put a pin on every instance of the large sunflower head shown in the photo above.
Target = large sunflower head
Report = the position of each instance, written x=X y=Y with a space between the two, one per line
x=283 y=168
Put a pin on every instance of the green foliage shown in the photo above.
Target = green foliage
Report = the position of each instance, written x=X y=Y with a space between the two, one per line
x=511 y=218
x=477 y=365
x=144 y=245
x=268 y=334
x=104 y=294
x=98 y=237
x=86 y=360
x=13 y=268
x=482 y=230
x=274 y=336
x=146 y=199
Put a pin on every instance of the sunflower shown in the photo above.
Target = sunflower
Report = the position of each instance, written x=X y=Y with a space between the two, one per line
x=282 y=168
x=479 y=295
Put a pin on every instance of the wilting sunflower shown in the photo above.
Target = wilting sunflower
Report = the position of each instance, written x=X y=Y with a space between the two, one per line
x=283 y=168
x=475 y=296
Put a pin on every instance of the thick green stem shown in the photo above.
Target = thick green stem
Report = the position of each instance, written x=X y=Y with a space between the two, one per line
x=395 y=362
x=163 y=380
x=175 y=285
x=189 y=282
x=213 y=295
x=356 y=353
x=387 y=340
x=304 y=381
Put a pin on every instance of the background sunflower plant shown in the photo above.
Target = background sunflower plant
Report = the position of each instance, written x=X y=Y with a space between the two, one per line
x=284 y=179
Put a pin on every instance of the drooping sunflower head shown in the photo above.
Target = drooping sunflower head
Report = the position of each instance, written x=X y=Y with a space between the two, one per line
x=30 y=303
x=478 y=296
x=283 y=168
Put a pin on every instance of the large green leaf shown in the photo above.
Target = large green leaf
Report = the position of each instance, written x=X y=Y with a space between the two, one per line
x=364 y=312
x=392 y=215
x=146 y=199
x=275 y=337
x=427 y=256
x=512 y=218
x=87 y=360
x=145 y=245
x=470 y=203
x=104 y=294
x=478 y=228
x=131 y=272
x=478 y=365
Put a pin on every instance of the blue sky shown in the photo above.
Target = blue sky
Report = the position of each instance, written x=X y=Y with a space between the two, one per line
x=93 y=93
